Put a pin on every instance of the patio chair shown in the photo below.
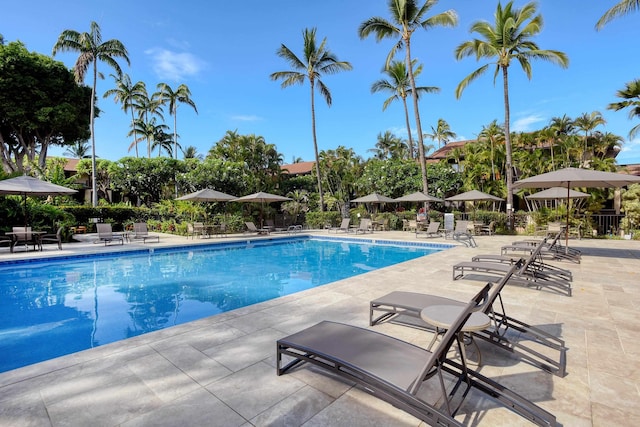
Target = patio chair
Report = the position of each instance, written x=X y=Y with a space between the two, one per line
x=53 y=238
x=25 y=236
x=141 y=232
x=432 y=230
x=529 y=274
x=364 y=226
x=106 y=234
x=529 y=343
x=461 y=234
x=395 y=370
x=488 y=229
x=344 y=226
x=251 y=228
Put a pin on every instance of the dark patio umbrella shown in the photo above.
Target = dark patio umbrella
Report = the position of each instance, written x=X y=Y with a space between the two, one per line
x=374 y=198
x=576 y=177
x=262 y=198
x=418 y=196
x=473 y=196
x=555 y=194
x=28 y=186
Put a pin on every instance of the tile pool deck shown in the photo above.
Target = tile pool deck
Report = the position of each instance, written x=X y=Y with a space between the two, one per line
x=221 y=370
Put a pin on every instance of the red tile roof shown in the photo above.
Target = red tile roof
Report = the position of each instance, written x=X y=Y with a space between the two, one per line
x=300 y=168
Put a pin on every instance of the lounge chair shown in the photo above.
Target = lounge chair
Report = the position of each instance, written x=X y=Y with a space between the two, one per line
x=106 y=234
x=552 y=248
x=141 y=232
x=251 y=228
x=53 y=238
x=461 y=234
x=344 y=226
x=395 y=370
x=403 y=308
x=364 y=226
x=528 y=275
x=432 y=230
x=488 y=229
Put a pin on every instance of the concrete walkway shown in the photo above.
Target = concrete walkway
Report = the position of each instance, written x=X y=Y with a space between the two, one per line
x=221 y=370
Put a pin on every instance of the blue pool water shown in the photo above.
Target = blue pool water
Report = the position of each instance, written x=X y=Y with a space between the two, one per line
x=57 y=307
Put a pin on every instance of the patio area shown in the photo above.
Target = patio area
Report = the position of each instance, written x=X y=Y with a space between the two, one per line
x=221 y=370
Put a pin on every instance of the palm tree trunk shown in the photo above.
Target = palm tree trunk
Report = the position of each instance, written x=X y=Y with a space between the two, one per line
x=315 y=146
x=135 y=134
x=406 y=119
x=423 y=163
x=175 y=130
x=507 y=142
x=94 y=183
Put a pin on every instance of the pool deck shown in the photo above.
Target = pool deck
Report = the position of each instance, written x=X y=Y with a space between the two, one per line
x=221 y=370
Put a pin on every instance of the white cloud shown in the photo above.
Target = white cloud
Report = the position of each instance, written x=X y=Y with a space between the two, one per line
x=242 y=118
x=174 y=66
x=524 y=124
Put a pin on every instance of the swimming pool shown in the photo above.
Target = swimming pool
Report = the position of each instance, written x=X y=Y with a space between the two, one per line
x=49 y=308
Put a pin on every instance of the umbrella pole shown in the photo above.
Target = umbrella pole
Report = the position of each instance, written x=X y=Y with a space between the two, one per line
x=566 y=231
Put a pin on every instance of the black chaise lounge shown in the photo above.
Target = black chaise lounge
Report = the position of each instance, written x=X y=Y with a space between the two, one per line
x=530 y=274
x=532 y=345
x=552 y=248
x=395 y=370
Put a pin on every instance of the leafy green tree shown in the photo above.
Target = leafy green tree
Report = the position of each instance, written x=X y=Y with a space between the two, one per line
x=399 y=86
x=623 y=8
x=91 y=49
x=102 y=177
x=630 y=96
x=129 y=95
x=509 y=39
x=144 y=180
x=40 y=106
x=317 y=61
x=340 y=170
x=182 y=95
x=224 y=175
x=261 y=160
x=406 y=18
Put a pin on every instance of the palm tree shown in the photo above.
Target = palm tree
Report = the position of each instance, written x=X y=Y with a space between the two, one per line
x=153 y=132
x=399 y=86
x=129 y=95
x=494 y=135
x=587 y=122
x=148 y=109
x=78 y=150
x=442 y=132
x=407 y=17
x=510 y=39
x=317 y=60
x=620 y=9
x=631 y=96
x=389 y=146
x=91 y=49
x=191 y=152
x=181 y=95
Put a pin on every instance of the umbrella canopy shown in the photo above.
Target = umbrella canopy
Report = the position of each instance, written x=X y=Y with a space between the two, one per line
x=418 y=196
x=472 y=196
x=207 y=195
x=576 y=177
x=28 y=186
x=374 y=198
x=557 y=193
x=262 y=197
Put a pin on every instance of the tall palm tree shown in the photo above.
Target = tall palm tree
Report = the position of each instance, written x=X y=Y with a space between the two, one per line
x=150 y=107
x=91 y=49
x=191 y=152
x=442 y=133
x=78 y=150
x=631 y=98
x=181 y=95
x=407 y=17
x=494 y=135
x=317 y=61
x=399 y=86
x=509 y=39
x=389 y=146
x=620 y=9
x=587 y=123
x=129 y=95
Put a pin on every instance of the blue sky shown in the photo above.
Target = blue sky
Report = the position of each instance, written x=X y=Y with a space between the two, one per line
x=224 y=51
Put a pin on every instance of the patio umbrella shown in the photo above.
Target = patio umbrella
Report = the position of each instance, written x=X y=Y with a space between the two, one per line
x=207 y=195
x=473 y=196
x=28 y=186
x=557 y=193
x=418 y=196
x=262 y=198
x=374 y=198
x=576 y=177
